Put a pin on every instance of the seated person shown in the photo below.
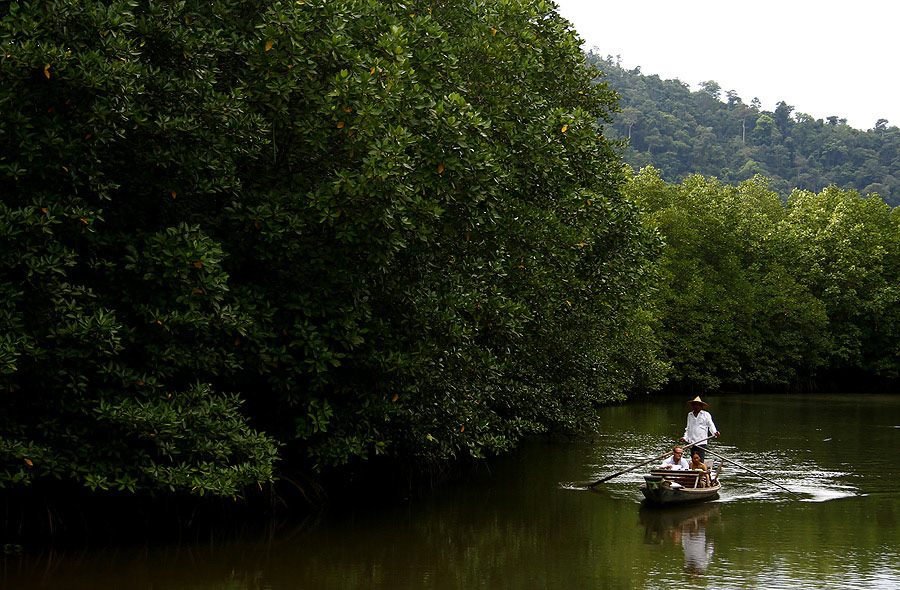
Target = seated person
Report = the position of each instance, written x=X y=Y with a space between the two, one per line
x=676 y=461
x=697 y=464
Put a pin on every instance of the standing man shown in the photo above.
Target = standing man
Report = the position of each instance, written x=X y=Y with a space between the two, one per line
x=700 y=426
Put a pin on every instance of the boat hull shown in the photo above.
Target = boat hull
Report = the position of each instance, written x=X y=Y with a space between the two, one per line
x=668 y=495
x=677 y=488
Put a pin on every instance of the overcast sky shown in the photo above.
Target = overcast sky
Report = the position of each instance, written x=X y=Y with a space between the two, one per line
x=824 y=58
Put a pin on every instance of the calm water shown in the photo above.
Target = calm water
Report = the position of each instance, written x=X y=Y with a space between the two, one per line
x=529 y=522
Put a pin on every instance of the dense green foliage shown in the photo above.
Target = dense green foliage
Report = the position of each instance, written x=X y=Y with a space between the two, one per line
x=756 y=292
x=236 y=231
x=714 y=133
x=846 y=250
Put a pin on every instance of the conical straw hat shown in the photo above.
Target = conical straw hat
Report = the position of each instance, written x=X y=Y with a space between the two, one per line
x=699 y=401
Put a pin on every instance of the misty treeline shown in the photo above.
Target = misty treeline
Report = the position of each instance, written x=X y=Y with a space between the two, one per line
x=249 y=240
x=714 y=132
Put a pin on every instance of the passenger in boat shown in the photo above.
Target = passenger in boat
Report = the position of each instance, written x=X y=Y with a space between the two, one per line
x=700 y=426
x=698 y=465
x=676 y=461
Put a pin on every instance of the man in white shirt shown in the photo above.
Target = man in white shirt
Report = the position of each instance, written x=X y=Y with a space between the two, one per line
x=676 y=461
x=700 y=426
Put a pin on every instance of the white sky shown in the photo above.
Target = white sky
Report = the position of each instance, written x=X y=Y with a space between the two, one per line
x=824 y=58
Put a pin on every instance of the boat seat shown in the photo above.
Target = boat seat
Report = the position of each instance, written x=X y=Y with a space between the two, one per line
x=688 y=479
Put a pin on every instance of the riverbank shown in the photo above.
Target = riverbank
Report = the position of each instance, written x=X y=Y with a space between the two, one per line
x=63 y=515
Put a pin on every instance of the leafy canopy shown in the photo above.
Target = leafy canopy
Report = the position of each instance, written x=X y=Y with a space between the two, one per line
x=234 y=232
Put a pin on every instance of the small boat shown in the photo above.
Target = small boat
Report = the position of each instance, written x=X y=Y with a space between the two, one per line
x=665 y=486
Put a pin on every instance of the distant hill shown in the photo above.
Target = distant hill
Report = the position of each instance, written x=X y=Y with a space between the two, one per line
x=714 y=133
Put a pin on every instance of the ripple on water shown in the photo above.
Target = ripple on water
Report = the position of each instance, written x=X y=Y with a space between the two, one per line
x=821 y=485
x=808 y=481
x=810 y=485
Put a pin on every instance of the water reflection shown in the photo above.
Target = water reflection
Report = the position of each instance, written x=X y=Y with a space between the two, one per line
x=515 y=526
x=684 y=525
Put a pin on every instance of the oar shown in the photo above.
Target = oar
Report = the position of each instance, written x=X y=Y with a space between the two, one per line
x=609 y=477
x=753 y=472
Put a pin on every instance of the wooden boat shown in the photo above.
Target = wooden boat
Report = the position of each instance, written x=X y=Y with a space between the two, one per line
x=665 y=486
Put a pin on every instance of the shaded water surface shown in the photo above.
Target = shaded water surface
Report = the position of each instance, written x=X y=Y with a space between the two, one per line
x=528 y=521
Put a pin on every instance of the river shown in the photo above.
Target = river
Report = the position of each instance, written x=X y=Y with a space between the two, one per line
x=527 y=520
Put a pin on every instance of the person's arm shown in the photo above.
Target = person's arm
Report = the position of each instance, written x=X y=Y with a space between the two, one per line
x=712 y=427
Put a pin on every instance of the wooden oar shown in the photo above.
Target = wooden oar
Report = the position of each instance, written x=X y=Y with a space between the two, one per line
x=609 y=477
x=753 y=472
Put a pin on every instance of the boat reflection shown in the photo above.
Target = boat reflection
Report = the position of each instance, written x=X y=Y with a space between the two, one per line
x=685 y=525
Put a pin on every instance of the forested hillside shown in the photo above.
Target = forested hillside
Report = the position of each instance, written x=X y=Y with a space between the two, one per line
x=714 y=132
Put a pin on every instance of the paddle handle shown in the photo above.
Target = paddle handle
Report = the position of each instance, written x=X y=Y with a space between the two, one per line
x=699 y=442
